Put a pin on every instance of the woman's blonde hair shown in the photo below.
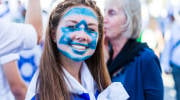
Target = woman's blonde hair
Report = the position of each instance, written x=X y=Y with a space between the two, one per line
x=51 y=84
x=132 y=10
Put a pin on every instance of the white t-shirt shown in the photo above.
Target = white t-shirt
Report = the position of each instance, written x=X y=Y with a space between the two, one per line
x=13 y=38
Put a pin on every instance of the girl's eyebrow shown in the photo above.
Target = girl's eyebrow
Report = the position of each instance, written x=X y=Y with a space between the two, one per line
x=89 y=24
x=72 y=21
x=92 y=24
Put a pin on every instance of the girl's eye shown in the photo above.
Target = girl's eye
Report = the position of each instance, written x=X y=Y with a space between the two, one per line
x=111 y=12
x=72 y=27
x=91 y=30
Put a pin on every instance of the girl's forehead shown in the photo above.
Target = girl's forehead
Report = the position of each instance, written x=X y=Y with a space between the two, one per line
x=80 y=10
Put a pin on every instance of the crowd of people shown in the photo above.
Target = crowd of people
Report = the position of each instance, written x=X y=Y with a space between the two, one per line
x=87 y=55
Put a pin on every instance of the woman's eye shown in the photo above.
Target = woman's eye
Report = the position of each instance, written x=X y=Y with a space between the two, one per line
x=111 y=12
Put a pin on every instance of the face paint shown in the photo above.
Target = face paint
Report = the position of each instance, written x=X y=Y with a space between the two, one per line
x=76 y=54
x=81 y=11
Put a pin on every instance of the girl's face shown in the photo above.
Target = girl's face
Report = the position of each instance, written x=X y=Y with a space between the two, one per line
x=77 y=33
x=113 y=20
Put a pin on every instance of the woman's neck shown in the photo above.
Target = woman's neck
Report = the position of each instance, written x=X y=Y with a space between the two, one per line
x=72 y=67
x=117 y=45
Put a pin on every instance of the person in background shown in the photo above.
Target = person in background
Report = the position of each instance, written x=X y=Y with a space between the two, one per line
x=72 y=65
x=153 y=36
x=14 y=38
x=19 y=15
x=171 y=54
x=5 y=10
x=174 y=54
x=130 y=62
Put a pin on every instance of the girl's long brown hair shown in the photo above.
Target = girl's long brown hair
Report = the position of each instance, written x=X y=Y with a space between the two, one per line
x=51 y=84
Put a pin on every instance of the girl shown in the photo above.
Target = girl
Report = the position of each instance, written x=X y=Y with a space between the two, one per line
x=72 y=66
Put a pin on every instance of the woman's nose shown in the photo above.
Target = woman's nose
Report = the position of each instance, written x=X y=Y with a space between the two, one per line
x=105 y=19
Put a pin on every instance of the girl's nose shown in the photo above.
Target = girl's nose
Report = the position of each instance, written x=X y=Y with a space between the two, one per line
x=81 y=36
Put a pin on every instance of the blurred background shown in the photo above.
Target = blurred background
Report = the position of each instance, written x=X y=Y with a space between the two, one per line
x=157 y=19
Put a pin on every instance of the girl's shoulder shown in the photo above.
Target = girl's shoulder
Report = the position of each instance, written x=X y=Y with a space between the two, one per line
x=31 y=93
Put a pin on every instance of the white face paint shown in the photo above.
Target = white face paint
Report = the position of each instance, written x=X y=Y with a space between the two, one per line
x=77 y=33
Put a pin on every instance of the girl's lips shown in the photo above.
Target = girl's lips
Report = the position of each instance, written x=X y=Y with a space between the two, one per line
x=79 y=47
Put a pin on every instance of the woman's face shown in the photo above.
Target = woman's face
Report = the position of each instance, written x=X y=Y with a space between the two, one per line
x=77 y=33
x=113 y=20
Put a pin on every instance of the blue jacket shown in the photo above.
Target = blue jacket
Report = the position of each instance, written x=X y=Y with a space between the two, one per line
x=142 y=77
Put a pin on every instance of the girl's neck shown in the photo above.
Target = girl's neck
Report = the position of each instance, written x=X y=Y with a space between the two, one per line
x=117 y=45
x=72 y=67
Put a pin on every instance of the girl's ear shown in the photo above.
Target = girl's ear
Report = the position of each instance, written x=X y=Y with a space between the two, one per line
x=53 y=35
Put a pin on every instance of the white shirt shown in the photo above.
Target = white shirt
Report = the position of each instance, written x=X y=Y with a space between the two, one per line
x=113 y=92
x=13 y=38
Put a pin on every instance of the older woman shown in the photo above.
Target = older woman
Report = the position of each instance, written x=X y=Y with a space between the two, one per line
x=132 y=63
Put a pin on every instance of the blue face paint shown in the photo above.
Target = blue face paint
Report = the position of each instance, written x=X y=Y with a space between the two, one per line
x=80 y=11
x=68 y=30
x=66 y=40
x=74 y=58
